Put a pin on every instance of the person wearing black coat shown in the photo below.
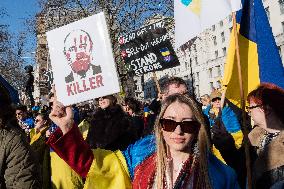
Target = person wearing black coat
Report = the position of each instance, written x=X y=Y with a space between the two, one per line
x=110 y=126
x=134 y=111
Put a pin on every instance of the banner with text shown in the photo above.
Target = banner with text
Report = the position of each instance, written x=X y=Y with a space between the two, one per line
x=148 y=49
x=82 y=60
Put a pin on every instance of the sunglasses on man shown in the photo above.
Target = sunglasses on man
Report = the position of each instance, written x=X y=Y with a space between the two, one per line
x=170 y=125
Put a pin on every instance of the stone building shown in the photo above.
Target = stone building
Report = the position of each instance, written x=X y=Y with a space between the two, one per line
x=202 y=63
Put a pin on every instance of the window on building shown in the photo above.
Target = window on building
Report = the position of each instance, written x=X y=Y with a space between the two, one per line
x=281 y=5
x=211 y=86
x=197 y=76
x=267 y=12
x=218 y=84
x=223 y=37
x=185 y=78
x=218 y=68
x=213 y=27
x=224 y=51
x=214 y=39
x=196 y=61
x=221 y=23
x=197 y=91
x=282 y=26
x=230 y=18
x=210 y=72
x=216 y=54
x=186 y=65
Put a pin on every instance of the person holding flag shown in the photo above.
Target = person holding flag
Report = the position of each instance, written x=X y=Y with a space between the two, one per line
x=224 y=117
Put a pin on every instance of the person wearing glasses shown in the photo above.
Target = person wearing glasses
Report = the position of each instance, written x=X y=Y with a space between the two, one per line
x=169 y=86
x=266 y=105
x=178 y=156
x=220 y=120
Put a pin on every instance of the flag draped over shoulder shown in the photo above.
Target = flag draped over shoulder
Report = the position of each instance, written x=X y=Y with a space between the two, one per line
x=259 y=56
x=194 y=16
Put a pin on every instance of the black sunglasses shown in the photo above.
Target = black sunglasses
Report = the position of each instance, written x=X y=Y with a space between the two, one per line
x=215 y=99
x=186 y=126
x=252 y=107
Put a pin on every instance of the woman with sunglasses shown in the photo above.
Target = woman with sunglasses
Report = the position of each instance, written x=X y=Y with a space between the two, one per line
x=178 y=156
x=225 y=117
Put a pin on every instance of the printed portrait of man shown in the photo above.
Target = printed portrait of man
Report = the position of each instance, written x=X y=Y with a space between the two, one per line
x=78 y=50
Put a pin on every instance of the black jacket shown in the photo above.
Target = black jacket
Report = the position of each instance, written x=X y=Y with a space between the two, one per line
x=110 y=129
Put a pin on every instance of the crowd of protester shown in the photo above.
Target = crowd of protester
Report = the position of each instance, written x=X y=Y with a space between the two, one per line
x=174 y=141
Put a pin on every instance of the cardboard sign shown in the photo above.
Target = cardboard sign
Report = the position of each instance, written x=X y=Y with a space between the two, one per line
x=148 y=49
x=82 y=60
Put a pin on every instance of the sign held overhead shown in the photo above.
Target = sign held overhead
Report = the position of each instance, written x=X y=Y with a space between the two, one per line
x=148 y=49
x=82 y=60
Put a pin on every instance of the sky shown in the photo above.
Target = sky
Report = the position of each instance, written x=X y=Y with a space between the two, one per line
x=18 y=11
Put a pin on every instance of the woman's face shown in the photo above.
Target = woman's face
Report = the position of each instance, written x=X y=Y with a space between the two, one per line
x=257 y=114
x=216 y=102
x=39 y=121
x=104 y=102
x=178 y=140
x=127 y=109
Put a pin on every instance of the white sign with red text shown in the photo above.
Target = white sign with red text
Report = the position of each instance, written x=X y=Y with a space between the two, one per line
x=82 y=60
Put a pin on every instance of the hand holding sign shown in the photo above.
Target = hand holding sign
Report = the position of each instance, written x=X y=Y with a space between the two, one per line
x=61 y=116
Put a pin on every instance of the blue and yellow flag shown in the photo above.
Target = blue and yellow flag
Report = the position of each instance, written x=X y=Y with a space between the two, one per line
x=259 y=56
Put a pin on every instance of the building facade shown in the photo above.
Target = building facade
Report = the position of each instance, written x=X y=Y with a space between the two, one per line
x=202 y=64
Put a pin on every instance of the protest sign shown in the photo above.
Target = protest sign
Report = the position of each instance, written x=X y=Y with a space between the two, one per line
x=148 y=49
x=82 y=60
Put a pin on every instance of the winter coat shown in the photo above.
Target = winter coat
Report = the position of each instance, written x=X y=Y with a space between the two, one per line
x=268 y=168
x=18 y=167
x=110 y=129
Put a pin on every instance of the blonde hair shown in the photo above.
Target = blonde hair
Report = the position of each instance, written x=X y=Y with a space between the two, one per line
x=202 y=141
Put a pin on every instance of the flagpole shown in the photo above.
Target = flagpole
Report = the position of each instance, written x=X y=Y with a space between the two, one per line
x=244 y=126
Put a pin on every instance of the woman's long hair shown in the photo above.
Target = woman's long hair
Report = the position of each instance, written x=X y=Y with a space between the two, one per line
x=202 y=141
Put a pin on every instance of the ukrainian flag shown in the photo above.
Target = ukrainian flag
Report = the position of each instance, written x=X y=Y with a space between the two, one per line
x=259 y=56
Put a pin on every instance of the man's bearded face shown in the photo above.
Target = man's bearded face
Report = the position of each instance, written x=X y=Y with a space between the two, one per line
x=78 y=50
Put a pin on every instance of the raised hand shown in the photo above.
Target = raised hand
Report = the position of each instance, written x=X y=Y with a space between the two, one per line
x=61 y=116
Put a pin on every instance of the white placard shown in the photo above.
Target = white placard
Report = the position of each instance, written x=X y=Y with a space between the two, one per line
x=82 y=60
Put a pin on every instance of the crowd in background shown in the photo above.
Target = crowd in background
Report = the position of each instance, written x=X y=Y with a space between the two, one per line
x=113 y=123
